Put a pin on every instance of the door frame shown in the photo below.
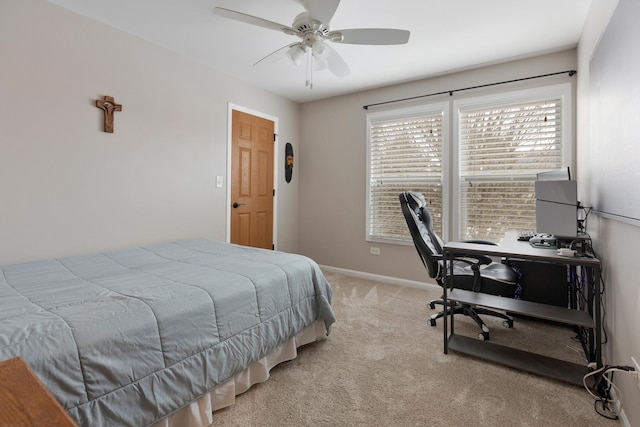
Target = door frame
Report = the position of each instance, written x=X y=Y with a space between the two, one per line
x=276 y=169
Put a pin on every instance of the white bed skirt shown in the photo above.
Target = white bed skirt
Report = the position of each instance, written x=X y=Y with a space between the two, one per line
x=200 y=412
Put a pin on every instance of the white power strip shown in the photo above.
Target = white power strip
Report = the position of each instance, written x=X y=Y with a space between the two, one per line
x=567 y=252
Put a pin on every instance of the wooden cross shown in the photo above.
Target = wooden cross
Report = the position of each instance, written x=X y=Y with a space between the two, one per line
x=108 y=105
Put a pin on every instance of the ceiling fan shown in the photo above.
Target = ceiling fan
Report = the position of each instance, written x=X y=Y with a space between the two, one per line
x=312 y=27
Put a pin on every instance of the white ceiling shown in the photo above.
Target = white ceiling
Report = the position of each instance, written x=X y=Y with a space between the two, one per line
x=446 y=36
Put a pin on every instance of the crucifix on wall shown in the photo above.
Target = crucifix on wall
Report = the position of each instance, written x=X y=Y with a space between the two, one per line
x=108 y=105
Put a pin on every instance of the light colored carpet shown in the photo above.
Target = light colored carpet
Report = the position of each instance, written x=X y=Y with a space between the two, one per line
x=383 y=365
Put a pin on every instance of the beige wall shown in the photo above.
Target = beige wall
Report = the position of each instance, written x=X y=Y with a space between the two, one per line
x=615 y=241
x=66 y=187
x=333 y=164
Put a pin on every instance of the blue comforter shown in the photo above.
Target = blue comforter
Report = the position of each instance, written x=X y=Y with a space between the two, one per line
x=127 y=337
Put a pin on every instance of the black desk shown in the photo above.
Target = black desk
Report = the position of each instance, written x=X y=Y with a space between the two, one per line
x=590 y=318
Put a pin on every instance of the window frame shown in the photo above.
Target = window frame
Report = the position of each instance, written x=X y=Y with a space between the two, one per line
x=443 y=108
x=502 y=99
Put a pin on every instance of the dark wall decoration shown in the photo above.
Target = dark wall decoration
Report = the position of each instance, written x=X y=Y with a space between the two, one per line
x=288 y=162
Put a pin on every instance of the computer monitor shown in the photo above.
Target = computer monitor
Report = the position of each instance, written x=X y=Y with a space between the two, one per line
x=557 y=204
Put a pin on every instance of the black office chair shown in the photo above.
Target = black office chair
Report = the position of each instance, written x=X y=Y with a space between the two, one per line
x=476 y=273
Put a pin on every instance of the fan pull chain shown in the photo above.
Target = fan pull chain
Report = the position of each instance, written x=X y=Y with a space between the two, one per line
x=306 y=83
x=309 y=82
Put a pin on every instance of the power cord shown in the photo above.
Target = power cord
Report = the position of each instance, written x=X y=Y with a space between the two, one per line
x=601 y=391
x=582 y=223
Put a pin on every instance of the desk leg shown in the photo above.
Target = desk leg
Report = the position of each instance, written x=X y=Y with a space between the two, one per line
x=593 y=346
x=595 y=278
x=590 y=284
x=445 y=302
x=596 y=308
x=447 y=281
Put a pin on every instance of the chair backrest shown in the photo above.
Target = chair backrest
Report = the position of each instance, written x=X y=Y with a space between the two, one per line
x=420 y=223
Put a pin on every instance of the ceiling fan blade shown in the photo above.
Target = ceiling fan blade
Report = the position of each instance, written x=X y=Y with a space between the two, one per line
x=253 y=20
x=335 y=63
x=371 y=36
x=278 y=54
x=321 y=10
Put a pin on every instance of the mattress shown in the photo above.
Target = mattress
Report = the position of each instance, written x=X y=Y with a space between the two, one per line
x=128 y=337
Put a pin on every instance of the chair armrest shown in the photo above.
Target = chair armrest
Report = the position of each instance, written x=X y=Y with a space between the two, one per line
x=482 y=259
x=471 y=259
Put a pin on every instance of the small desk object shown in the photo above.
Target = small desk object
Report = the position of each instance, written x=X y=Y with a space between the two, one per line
x=590 y=318
x=24 y=400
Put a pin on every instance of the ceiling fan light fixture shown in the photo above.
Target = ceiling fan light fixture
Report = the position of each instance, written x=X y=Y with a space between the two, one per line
x=296 y=54
x=320 y=51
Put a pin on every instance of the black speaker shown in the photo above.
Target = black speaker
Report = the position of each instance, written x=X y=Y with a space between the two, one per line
x=542 y=282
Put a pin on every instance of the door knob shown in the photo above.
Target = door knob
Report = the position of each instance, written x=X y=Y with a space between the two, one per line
x=236 y=204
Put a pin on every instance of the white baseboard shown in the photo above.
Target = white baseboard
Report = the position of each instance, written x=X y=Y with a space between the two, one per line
x=622 y=418
x=380 y=278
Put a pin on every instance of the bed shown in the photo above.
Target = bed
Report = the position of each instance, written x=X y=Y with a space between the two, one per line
x=162 y=334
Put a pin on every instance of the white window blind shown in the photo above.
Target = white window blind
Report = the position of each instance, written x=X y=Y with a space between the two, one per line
x=405 y=153
x=501 y=149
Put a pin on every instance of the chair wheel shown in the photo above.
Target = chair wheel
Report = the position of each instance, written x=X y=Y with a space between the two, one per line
x=432 y=306
x=432 y=322
x=507 y=323
x=483 y=336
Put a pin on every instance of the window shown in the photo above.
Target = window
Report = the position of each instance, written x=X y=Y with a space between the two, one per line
x=405 y=152
x=503 y=144
x=482 y=183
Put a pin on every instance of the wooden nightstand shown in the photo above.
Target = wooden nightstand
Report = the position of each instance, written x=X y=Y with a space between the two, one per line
x=24 y=400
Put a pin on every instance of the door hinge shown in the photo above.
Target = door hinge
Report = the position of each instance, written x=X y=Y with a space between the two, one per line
x=274 y=192
x=275 y=135
x=273 y=247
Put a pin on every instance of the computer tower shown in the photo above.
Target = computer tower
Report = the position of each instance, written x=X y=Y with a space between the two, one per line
x=557 y=208
x=542 y=282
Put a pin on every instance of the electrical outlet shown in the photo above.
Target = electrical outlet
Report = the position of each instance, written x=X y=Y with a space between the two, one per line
x=635 y=365
x=375 y=251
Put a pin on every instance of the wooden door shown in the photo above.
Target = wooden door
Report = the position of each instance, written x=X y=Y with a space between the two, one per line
x=252 y=192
